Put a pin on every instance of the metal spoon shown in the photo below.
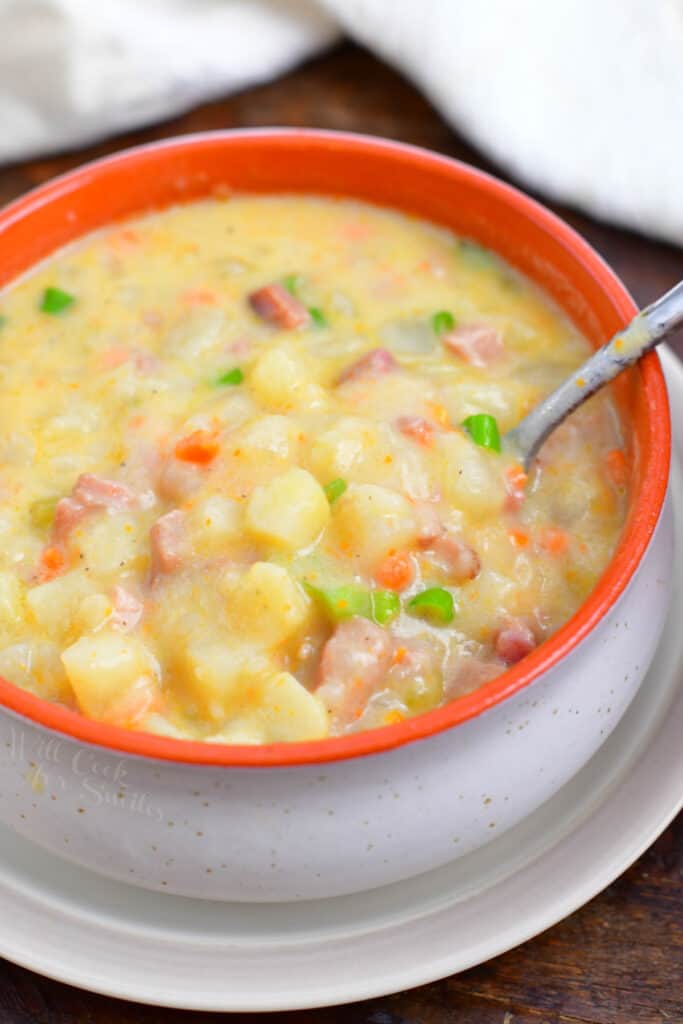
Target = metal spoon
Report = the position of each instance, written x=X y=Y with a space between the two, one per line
x=645 y=331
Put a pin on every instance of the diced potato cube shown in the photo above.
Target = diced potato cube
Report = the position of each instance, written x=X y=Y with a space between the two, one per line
x=289 y=712
x=92 y=613
x=286 y=712
x=290 y=511
x=281 y=379
x=213 y=522
x=112 y=675
x=388 y=395
x=244 y=731
x=267 y=605
x=197 y=332
x=492 y=597
x=36 y=667
x=11 y=600
x=218 y=679
x=370 y=521
x=161 y=726
x=344 y=448
x=54 y=605
x=370 y=453
x=507 y=401
x=110 y=542
x=473 y=478
x=279 y=435
x=233 y=410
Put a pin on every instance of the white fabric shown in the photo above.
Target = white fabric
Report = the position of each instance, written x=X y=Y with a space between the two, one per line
x=73 y=71
x=580 y=99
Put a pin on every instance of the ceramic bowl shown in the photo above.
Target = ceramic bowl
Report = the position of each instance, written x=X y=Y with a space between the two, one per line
x=308 y=820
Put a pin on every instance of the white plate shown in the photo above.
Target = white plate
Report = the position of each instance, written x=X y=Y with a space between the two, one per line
x=71 y=925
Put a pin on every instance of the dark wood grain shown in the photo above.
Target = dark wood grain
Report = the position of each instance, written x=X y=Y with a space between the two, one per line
x=619 y=960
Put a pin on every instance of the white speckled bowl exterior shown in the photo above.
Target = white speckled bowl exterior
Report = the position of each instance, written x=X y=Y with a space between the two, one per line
x=311 y=830
x=323 y=830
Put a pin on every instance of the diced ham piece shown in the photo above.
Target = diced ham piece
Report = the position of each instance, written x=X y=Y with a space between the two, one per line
x=114 y=356
x=274 y=304
x=477 y=344
x=89 y=494
x=429 y=525
x=373 y=364
x=241 y=348
x=152 y=317
x=68 y=514
x=167 y=543
x=515 y=487
x=417 y=429
x=146 y=362
x=98 y=492
x=459 y=560
x=514 y=641
x=514 y=499
x=469 y=674
x=354 y=661
x=127 y=610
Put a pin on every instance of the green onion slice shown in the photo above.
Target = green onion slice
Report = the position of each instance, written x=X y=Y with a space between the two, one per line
x=443 y=321
x=335 y=489
x=340 y=603
x=230 y=377
x=385 y=606
x=55 y=301
x=317 y=316
x=435 y=604
x=483 y=430
x=3 y=320
x=292 y=282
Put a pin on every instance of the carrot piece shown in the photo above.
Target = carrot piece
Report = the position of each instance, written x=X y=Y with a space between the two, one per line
x=126 y=239
x=400 y=655
x=395 y=572
x=616 y=465
x=114 y=356
x=52 y=561
x=200 y=447
x=519 y=537
x=516 y=476
x=439 y=414
x=417 y=429
x=515 y=483
x=554 y=540
x=199 y=297
x=355 y=231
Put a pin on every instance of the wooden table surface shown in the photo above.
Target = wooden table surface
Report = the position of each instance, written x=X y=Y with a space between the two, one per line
x=619 y=960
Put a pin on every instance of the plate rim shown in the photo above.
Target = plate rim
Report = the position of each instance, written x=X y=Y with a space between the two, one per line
x=617 y=857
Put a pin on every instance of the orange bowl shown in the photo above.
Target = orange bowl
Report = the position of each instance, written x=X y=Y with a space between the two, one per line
x=449 y=193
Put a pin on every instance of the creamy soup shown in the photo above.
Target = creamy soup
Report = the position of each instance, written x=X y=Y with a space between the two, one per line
x=251 y=479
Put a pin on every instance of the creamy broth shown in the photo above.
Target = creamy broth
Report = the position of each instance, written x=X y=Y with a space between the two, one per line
x=250 y=480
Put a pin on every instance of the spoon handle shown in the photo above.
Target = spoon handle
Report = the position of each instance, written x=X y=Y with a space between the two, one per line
x=645 y=331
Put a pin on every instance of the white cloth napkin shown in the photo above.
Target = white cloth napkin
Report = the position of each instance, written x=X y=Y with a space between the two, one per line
x=579 y=99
